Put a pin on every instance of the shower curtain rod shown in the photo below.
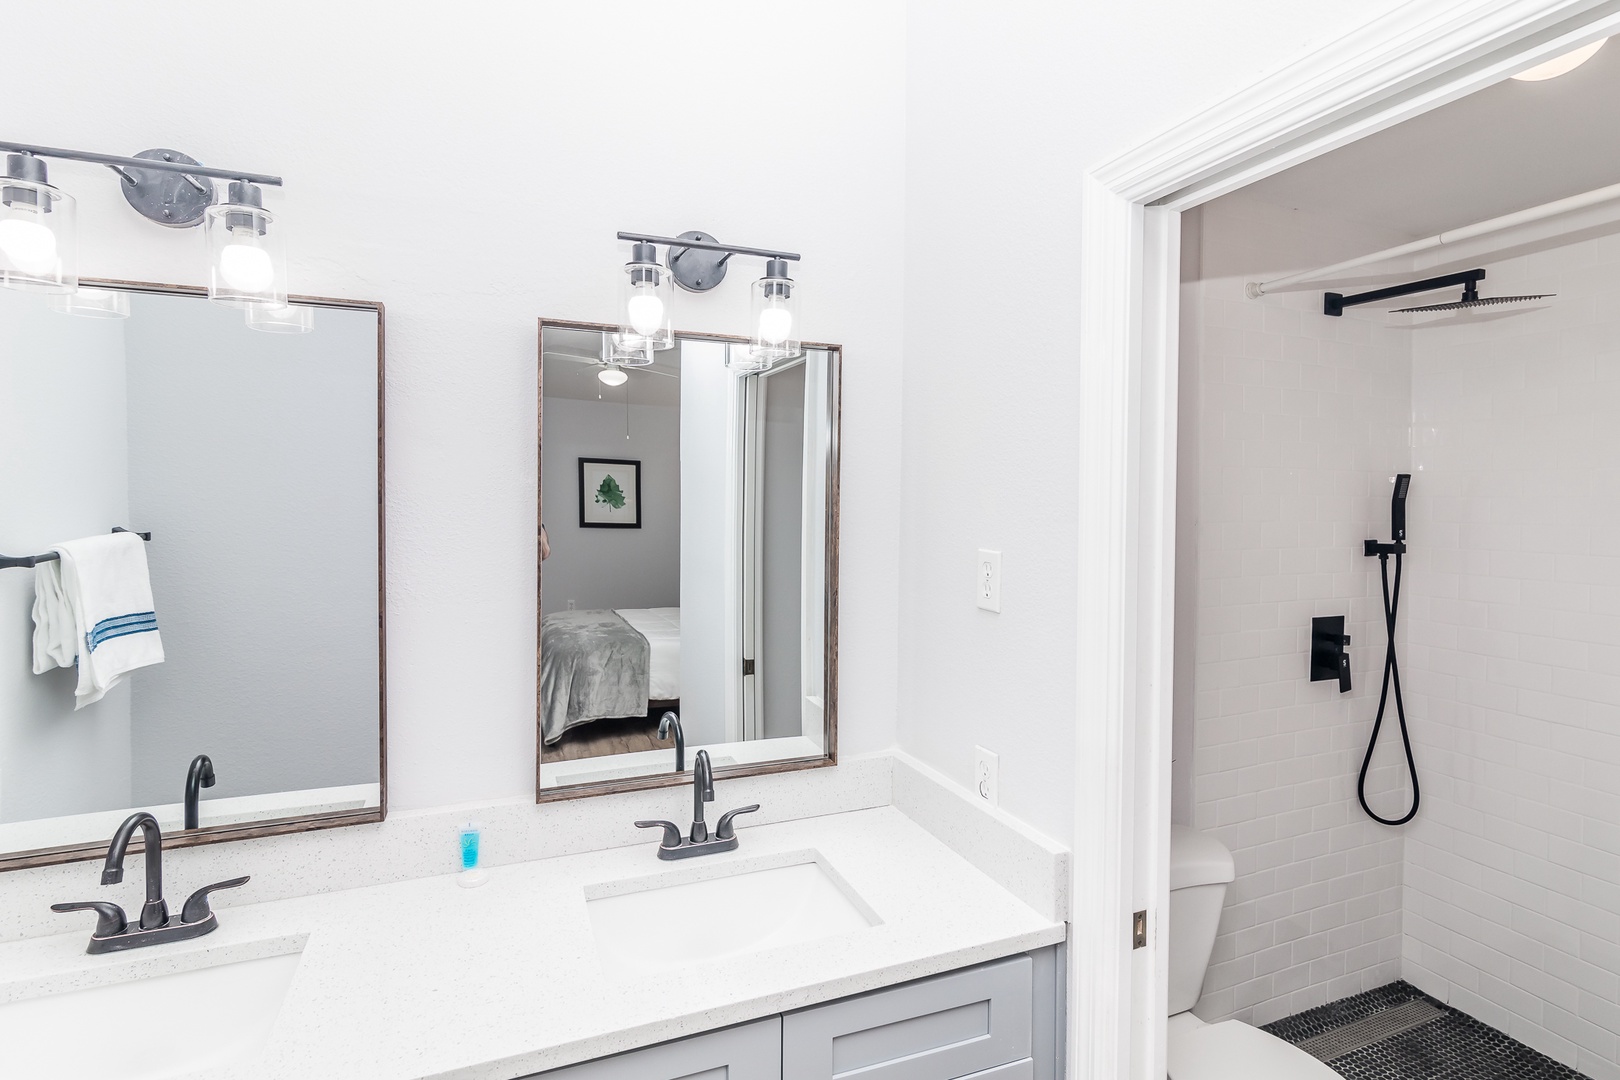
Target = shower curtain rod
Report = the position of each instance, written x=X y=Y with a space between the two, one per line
x=1257 y=289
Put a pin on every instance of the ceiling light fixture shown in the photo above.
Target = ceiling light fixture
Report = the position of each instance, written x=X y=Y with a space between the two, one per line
x=612 y=376
x=697 y=262
x=248 y=264
x=1561 y=65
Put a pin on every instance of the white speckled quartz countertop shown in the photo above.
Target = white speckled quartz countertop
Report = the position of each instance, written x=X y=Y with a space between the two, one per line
x=423 y=978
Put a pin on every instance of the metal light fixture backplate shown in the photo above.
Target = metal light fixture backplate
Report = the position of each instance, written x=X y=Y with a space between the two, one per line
x=168 y=198
x=695 y=269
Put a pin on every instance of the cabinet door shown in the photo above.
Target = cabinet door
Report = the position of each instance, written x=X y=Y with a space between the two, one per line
x=748 y=1052
x=944 y=1028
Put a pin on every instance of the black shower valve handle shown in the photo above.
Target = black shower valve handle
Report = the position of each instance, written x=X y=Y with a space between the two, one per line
x=1344 y=666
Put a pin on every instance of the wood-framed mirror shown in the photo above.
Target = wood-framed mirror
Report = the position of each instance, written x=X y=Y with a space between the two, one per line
x=688 y=561
x=255 y=462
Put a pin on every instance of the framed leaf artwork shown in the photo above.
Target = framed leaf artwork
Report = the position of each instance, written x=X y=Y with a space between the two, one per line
x=609 y=493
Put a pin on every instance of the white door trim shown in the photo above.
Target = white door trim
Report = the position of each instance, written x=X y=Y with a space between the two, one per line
x=1412 y=60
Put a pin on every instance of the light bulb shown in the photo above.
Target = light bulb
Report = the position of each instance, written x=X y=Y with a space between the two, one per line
x=30 y=246
x=1561 y=65
x=246 y=267
x=646 y=312
x=775 y=324
x=612 y=376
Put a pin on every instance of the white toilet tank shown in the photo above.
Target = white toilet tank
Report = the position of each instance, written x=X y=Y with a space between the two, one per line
x=1200 y=869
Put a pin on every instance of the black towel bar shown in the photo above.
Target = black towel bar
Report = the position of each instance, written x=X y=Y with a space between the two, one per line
x=8 y=562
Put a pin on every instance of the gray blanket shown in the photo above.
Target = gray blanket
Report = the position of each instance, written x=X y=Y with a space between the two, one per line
x=593 y=665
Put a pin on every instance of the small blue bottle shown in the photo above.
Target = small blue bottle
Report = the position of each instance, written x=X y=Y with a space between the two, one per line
x=471 y=875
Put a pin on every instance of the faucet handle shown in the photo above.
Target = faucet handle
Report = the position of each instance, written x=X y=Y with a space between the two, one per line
x=110 y=919
x=672 y=832
x=197 y=909
x=724 y=830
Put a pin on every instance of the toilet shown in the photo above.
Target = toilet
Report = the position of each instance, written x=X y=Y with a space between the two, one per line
x=1200 y=870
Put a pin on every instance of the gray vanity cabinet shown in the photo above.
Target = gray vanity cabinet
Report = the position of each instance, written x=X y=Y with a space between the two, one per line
x=995 y=1021
x=972 y=1023
x=746 y=1052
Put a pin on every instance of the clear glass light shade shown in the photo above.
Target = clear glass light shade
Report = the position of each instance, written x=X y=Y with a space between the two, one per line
x=247 y=262
x=743 y=359
x=776 y=318
x=38 y=239
x=628 y=350
x=647 y=300
x=92 y=303
x=286 y=319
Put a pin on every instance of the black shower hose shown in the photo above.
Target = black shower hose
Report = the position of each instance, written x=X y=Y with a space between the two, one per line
x=1392 y=677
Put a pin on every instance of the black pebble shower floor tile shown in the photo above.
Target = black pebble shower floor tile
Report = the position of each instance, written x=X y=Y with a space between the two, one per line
x=1454 y=1046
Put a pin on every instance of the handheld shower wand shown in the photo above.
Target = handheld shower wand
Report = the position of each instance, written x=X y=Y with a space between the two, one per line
x=1392 y=670
x=1397 y=508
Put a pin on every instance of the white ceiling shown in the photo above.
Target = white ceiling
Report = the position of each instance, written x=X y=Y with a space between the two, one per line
x=1510 y=146
x=571 y=362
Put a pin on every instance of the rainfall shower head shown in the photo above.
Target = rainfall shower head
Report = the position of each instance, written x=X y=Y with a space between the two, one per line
x=1471 y=299
x=1335 y=303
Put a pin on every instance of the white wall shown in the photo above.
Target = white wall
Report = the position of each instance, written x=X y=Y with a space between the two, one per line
x=1513 y=864
x=252 y=460
x=370 y=110
x=63 y=474
x=611 y=568
x=1296 y=422
x=1007 y=106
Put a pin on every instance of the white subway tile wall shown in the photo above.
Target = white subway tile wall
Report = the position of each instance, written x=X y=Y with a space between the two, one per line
x=1300 y=421
x=1512 y=889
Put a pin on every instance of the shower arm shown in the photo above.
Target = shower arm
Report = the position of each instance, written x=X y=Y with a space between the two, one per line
x=1334 y=303
x=1256 y=289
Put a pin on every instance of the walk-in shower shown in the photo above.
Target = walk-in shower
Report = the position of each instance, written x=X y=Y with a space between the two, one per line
x=1423 y=825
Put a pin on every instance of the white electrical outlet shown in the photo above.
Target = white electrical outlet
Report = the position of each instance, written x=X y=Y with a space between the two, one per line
x=985 y=767
x=987 y=580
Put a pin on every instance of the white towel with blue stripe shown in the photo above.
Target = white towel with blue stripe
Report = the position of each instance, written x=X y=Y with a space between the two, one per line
x=94 y=607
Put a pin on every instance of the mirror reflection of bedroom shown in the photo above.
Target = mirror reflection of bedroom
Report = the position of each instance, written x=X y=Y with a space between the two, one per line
x=684 y=591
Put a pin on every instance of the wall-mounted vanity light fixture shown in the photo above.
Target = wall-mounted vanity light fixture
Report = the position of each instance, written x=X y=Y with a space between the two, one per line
x=39 y=244
x=697 y=262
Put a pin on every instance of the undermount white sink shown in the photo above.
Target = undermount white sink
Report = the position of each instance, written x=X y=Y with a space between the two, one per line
x=150 y=1028
x=678 y=919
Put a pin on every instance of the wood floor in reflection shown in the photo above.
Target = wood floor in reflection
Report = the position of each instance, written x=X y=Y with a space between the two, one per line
x=601 y=738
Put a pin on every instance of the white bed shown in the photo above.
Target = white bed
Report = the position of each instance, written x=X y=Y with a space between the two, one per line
x=661 y=626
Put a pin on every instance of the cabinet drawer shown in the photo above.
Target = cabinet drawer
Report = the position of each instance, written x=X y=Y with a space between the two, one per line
x=944 y=1028
x=747 y=1052
x=1018 y=1070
